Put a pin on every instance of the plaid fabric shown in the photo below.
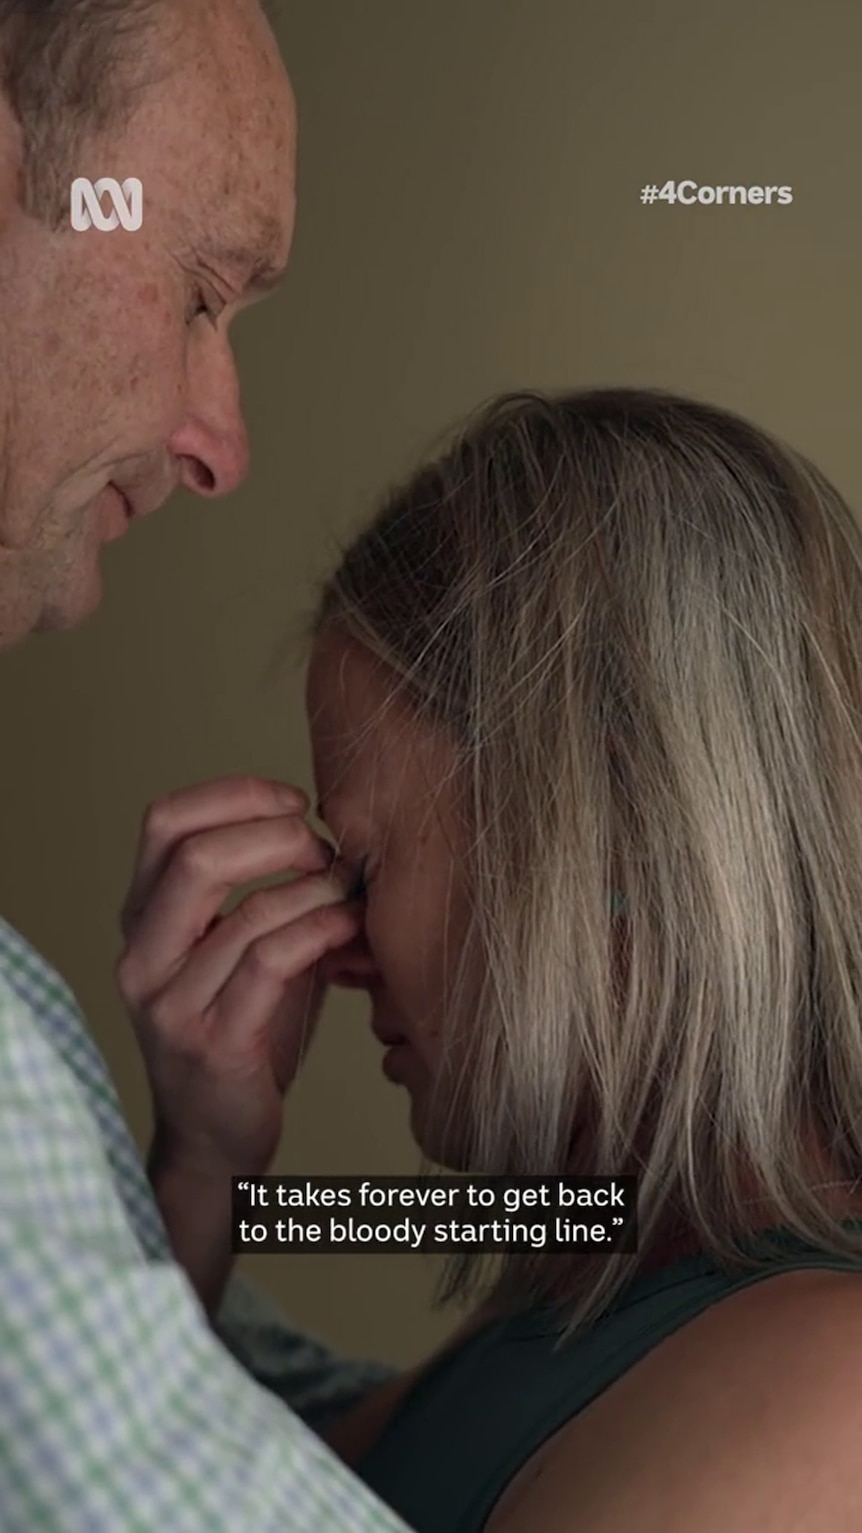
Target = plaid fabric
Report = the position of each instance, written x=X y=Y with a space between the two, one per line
x=120 y=1410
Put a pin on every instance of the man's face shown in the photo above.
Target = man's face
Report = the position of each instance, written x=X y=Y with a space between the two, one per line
x=115 y=364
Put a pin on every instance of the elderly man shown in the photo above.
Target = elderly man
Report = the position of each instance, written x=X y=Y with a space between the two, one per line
x=121 y=1406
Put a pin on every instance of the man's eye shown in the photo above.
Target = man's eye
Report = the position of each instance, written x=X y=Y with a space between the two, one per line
x=198 y=306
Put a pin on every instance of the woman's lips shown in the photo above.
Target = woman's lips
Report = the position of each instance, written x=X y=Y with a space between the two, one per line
x=398 y=1051
x=395 y=1059
x=387 y=1035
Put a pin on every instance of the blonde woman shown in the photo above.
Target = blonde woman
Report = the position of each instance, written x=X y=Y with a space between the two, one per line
x=586 y=707
x=586 y=711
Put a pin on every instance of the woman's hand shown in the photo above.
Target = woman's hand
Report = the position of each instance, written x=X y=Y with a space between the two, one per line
x=224 y=1007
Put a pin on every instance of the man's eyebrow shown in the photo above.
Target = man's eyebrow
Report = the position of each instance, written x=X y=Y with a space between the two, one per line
x=265 y=271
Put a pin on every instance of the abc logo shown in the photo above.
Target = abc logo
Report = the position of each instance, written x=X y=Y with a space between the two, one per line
x=128 y=202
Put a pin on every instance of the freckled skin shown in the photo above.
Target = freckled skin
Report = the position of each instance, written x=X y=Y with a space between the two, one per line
x=103 y=376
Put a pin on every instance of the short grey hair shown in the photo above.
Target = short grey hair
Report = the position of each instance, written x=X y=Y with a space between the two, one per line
x=72 y=70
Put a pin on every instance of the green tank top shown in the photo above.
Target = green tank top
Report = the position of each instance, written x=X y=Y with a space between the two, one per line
x=479 y=1412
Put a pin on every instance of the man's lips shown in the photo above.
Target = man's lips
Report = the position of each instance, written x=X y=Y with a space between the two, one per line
x=137 y=507
x=118 y=515
x=125 y=504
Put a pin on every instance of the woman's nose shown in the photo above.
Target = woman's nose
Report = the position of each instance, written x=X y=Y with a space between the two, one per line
x=348 y=981
x=353 y=966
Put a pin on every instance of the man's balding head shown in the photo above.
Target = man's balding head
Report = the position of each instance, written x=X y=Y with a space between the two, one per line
x=115 y=367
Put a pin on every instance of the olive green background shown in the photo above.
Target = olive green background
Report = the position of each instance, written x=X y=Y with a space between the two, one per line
x=469 y=221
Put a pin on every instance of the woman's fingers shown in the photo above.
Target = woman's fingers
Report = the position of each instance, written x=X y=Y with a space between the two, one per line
x=223 y=1008
x=260 y=995
x=205 y=806
x=269 y=933
x=199 y=876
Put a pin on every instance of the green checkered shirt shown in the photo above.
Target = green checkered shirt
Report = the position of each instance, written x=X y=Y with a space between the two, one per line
x=120 y=1410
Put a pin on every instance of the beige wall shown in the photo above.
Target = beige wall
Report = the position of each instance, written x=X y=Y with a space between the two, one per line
x=469 y=221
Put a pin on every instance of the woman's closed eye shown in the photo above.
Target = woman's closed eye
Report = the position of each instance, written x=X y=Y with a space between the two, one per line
x=359 y=885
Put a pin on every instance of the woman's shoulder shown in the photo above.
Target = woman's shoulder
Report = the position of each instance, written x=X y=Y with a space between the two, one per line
x=748 y=1417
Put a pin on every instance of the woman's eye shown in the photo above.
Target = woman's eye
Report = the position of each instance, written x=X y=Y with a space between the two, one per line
x=359 y=887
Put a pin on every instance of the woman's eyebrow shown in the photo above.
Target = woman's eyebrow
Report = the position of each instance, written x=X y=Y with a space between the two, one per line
x=324 y=809
x=355 y=829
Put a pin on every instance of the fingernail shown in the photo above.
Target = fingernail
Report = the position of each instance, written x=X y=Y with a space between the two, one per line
x=292 y=796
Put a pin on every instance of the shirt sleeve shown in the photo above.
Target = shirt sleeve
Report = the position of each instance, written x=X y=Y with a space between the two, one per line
x=121 y=1411
x=298 y=1367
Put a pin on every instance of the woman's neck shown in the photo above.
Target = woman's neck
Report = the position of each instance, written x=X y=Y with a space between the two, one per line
x=677 y=1239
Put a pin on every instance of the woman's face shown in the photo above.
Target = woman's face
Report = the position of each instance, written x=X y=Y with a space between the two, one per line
x=384 y=795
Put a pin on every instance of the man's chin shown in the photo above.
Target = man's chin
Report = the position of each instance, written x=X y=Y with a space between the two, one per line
x=75 y=580
x=74 y=607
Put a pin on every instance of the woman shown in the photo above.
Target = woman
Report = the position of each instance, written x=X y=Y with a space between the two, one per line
x=585 y=705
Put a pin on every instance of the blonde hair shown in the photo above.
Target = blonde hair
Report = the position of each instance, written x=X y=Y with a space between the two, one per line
x=639 y=621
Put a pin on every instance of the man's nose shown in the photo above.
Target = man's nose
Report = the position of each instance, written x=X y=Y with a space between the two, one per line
x=211 y=446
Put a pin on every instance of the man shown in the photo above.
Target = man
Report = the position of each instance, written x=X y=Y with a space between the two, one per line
x=120 y=1406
